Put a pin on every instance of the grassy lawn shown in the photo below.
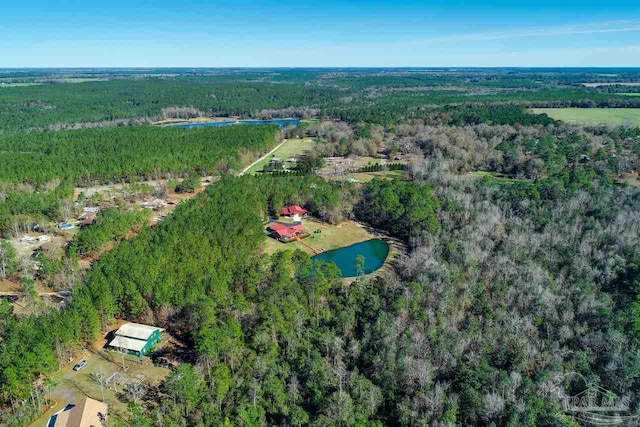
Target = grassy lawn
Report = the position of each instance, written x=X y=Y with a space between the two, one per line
x=71 y=386
x=594 y=116
x=309 y=121
x=330 y=237
x=291 y=148
x=630 y=94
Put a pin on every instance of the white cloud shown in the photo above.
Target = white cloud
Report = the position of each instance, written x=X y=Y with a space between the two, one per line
x=557 y=30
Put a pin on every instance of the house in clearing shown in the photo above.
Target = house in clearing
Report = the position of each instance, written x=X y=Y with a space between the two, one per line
x=86 y=219
x=292 y=210
x=88 y=413
x=287 y=232
x=136 y=339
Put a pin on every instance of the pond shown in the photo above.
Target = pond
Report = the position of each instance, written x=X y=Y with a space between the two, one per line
x=280 y=122
x=374 y=251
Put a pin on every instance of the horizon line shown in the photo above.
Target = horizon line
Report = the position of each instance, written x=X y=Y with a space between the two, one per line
x=424 y=67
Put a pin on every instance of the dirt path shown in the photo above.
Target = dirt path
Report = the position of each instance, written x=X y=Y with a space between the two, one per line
x=315 y=251
x=262 y=158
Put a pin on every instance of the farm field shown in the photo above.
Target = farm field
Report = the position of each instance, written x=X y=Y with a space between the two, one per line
x=85 y=79
x=19 y=84
x=291 y=148
x=329 y=237
x=593 y=116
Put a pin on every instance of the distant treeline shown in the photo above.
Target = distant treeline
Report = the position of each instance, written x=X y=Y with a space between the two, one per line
x=50 y=104
x=352 y=97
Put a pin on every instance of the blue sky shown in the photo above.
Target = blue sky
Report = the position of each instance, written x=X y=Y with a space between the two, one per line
x=115 y=33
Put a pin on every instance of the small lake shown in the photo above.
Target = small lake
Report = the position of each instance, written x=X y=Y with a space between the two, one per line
x=280 y=122
x=374 y=251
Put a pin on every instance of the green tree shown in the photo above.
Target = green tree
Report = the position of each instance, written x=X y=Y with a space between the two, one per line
x=8 y=262
x=184 y=385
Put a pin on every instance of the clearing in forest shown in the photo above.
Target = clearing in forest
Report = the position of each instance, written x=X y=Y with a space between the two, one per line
x=323 y=236
x=291 y=148
x=594 y=116
x=364 y=177
x=72 y=386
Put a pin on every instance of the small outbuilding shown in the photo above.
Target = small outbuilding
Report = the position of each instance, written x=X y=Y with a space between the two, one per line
x=136 y=339
x=292 y=210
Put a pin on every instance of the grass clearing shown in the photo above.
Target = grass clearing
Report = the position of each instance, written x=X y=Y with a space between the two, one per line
x=594 y=116
x=291 y=148
x=85 y=79
x=365 y=177
x=341 y=167
x=630 y=94
x=632 y=179
x=19 y=84
x=502 y=178
x=71 y=386
x=329 y=237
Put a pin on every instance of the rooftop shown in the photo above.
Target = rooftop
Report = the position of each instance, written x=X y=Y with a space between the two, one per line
x=88 y=413
x=137 y=331
x=127 y=343
x=285 y=229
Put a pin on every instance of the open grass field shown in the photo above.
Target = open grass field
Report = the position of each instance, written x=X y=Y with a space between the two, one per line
x=329 y=237
x=84 y=79
x=594 y=116
x=291 y=148
x=630 y=94
x=18 y=84
x=71 y=386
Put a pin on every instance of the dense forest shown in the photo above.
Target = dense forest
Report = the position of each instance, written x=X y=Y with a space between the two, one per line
x=521 y=233
x=39 y=170
x=372 y=96
x=102 y=155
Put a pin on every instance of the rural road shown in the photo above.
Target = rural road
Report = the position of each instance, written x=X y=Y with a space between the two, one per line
x=262 y=158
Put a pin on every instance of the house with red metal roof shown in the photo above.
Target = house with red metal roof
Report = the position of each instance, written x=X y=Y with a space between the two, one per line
x=286 y=232
x=292 y=210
